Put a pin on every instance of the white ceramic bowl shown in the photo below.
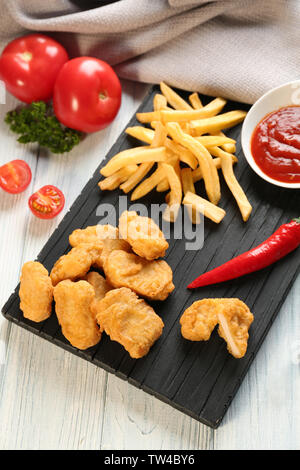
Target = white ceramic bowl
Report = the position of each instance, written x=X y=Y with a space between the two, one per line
x=284 y=95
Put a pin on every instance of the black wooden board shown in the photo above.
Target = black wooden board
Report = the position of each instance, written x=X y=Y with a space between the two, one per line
x=198 y=378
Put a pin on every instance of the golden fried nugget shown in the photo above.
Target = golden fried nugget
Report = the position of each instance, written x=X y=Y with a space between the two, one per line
x=129 y=320
x=72 y=306
x=151 y=279
x=36 y=292
x=233 y=316
x=93 y=234
x=234 y=322
x=111 y=244
x=76 y=263
x=101 y=287
x=144 y=236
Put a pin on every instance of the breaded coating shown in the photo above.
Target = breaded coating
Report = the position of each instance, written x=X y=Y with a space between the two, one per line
x=100 y=285
x=129 y=320
x=36 y=292
x=151 y=279
x=232 y=315
x=111 y=244
x=144 y=236
x=72 y=306
x=93 y=234
x=76 y=263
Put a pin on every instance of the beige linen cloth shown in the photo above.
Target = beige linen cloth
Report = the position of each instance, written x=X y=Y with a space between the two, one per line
x=233 y=48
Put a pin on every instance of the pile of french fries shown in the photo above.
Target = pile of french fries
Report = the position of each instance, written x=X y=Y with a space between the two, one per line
x=185 y=143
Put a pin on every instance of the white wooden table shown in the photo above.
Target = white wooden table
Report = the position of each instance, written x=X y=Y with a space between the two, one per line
x=50 y=399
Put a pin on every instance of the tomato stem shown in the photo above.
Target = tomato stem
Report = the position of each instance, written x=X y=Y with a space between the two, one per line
x=103 y=95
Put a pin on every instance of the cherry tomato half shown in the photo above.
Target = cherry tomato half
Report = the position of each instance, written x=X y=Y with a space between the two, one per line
x=87 y=94
x=15 y=176
x=29 y=66
x=47 y=202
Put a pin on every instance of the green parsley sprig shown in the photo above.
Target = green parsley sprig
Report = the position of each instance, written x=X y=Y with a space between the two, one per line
x=37 y=123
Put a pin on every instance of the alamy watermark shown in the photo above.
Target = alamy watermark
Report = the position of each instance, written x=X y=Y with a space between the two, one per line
x=181 y=229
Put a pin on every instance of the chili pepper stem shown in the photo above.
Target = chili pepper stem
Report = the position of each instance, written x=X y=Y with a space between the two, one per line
x=297 y=220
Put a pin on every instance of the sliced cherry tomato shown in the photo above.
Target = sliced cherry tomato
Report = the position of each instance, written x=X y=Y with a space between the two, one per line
x=87 y=94
x=29 y=66
x=15 y=176
x=47 y=202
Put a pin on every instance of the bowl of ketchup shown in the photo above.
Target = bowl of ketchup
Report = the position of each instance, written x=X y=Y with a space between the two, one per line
x=271 y=136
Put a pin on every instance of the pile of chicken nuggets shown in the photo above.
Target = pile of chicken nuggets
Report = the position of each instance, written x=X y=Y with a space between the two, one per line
x=88 y=303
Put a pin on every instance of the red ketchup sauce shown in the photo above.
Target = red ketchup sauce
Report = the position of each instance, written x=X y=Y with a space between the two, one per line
x=275 y=144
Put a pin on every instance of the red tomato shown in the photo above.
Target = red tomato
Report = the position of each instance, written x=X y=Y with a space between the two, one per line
x=15 y=176
x=29 y=66
x=47 y=202
x=87 y=94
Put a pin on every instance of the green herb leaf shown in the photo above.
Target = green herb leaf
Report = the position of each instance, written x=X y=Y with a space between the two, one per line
x=37 y=123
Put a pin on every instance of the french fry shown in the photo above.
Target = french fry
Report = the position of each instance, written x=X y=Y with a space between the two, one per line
x=214 y=140
x=173 y=98
x=148 y=184
x=209 y=171
x=230 y=147
x=195 y=101
x=159 y=102
x=197 y=174
x=149 y=117
x=134 y=156
x=188 y=186
x=163 y=186
x=113 y=181
x=212 y=212
x=141 y=133
x=136 y=177
x=160 y=135
x=217 y=123
x=175 y=195
x=235 y=188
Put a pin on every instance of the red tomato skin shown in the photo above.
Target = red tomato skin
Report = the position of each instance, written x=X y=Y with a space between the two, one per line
x=23 y=173
x=78 y=91
x=32 y=78
x=56 y=210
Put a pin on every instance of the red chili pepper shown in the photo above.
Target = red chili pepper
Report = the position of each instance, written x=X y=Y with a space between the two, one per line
x=278 y=245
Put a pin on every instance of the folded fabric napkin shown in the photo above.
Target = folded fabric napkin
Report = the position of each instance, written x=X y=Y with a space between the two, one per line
x=233 y=48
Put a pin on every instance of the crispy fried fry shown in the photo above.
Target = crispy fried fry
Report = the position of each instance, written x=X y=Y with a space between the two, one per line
x=188 y=186
x=232 y=183
x=215 y=213
x=159 y=102
x=197 y=174
x=214 y=140
x=134 y=156
x=217 y=123
x=36 y=292
x=195 y=101
x=148 y=184
x=175 y=195
x=173 y=98
x=113 y=181
x=209 y=171
x=134 y=179
x=130 y=321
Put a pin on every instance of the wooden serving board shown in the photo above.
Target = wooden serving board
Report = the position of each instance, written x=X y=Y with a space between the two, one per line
x=198 y=378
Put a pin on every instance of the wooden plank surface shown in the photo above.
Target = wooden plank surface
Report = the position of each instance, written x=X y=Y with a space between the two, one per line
x=51 y=399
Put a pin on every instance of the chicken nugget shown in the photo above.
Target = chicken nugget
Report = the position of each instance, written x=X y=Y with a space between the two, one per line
x=36 y=292
x=109 y=245
x=76 y=263
x=144 y=236
x=232 y=315
x=93 y=234
x=151 y=279
x=129 y=320
x=234 y=322
x=100 y=285
x=72 y=306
